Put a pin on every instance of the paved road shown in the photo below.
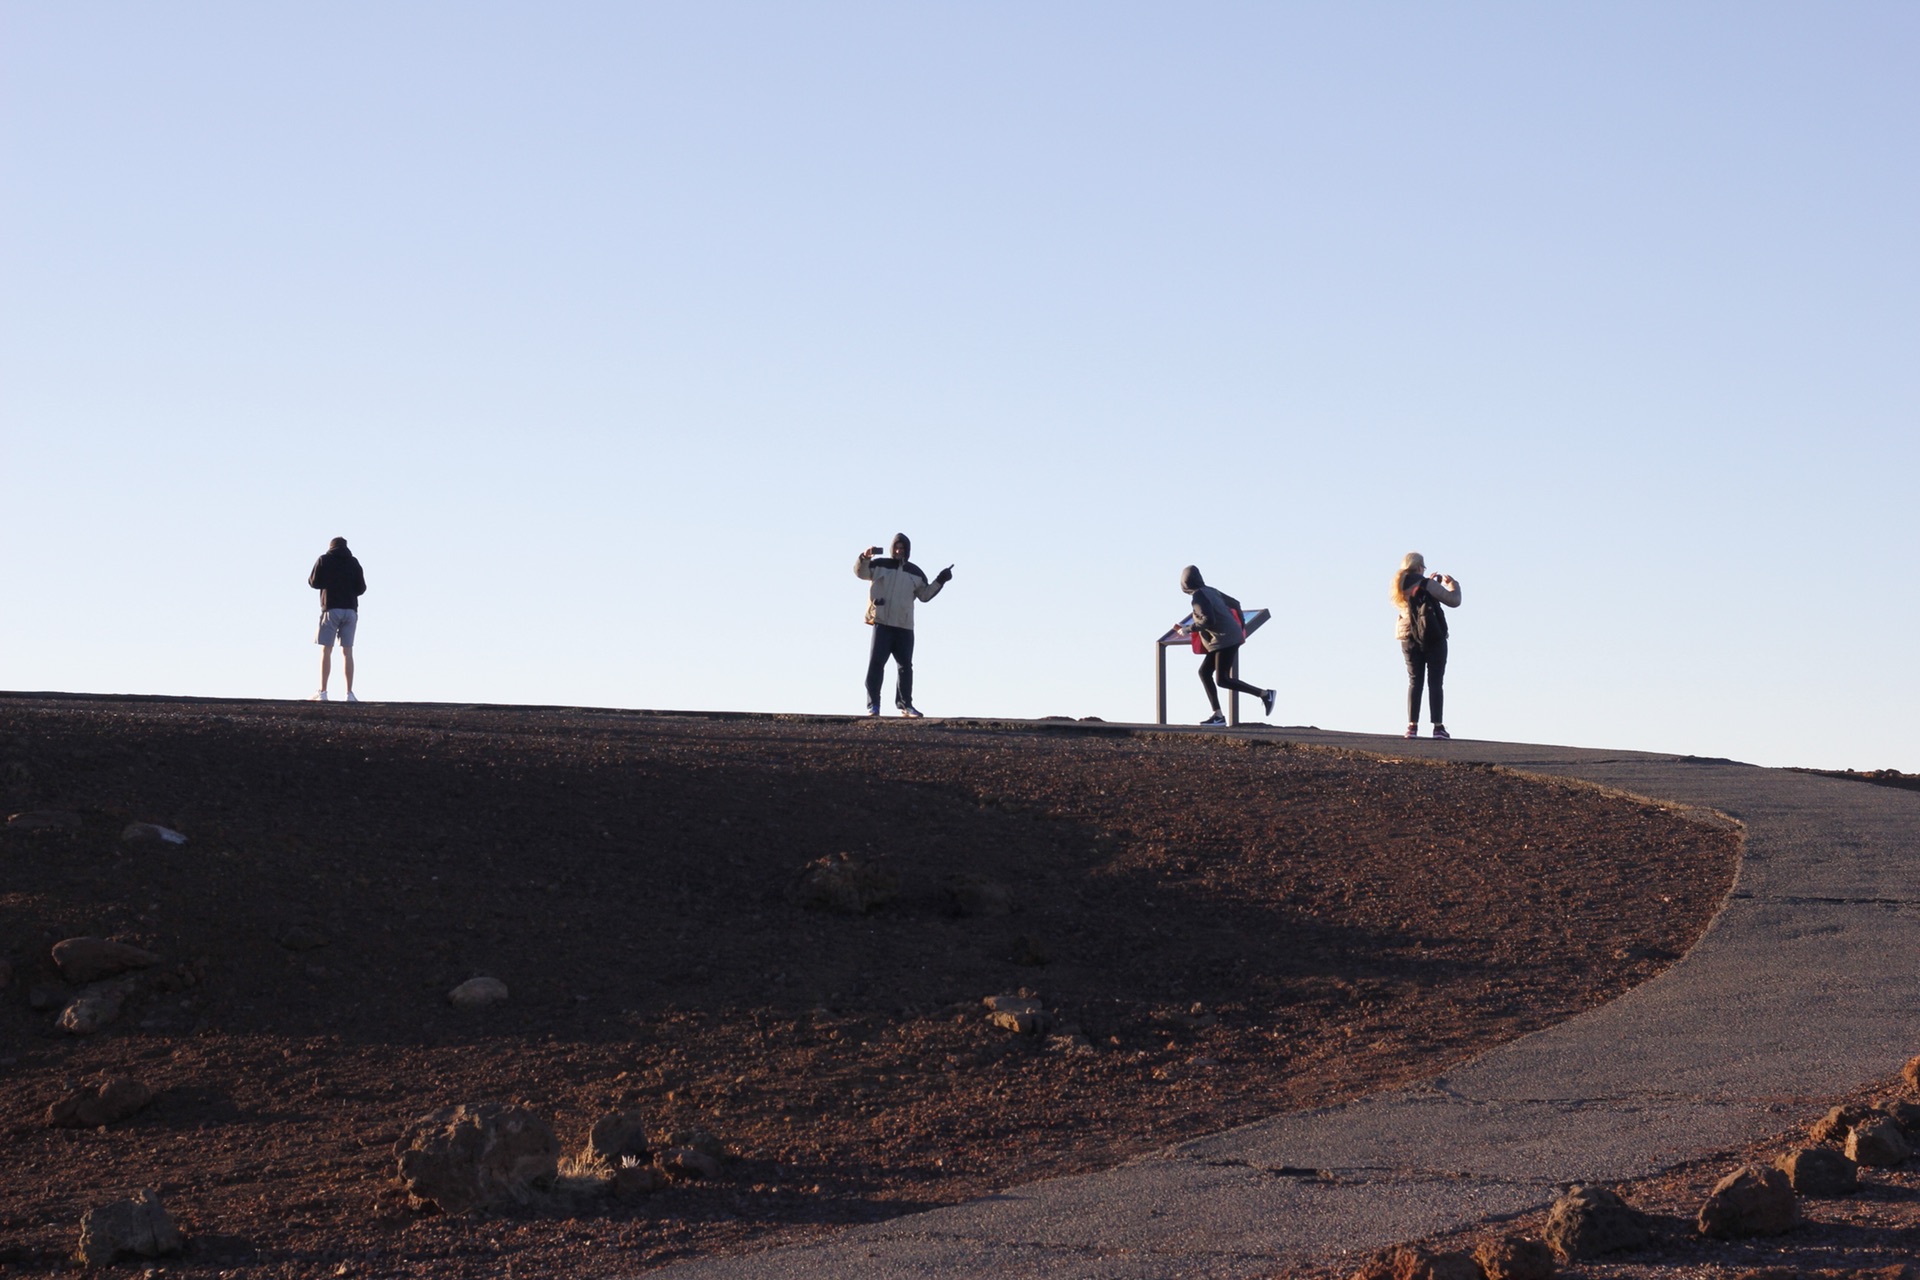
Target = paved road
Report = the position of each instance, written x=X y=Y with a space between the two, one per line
x=1804 y=987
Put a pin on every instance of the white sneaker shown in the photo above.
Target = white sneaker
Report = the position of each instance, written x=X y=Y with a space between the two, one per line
x=350 y=697
x=319 y=697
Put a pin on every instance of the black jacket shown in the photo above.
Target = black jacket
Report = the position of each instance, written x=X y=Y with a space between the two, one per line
x=1214 y=613
x=337 y=576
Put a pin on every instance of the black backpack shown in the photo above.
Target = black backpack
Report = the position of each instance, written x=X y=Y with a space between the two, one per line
x=1427 y=622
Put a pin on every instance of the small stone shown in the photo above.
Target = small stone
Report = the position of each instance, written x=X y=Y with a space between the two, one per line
x=1589 y=1221
x=301 y=937
x=1076 y=1043
x=1515 y=1258
x=1837 y=1123
x=970 y=896
x=1879 y=1142
x=83 y=960
x=684 y=1164
x=478 y=993
x=44 y=820
x=150 y=832
x=1416 y=1262
x=95 y=1008
x=1819 y=1171
x=637 y=1181
x=1018 y=1014
x=138 y=1226
x=1750 y=1201
x=695 y=1139
x=466 y=1157
x=91 y=1106
x=847 y=885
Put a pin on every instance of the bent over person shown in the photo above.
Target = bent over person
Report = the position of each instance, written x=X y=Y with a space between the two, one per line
x=1217 y=623
x=337 y=577
x=897 y=583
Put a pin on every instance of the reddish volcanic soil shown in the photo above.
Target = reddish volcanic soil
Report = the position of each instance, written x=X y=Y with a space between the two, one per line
x=1237 y=927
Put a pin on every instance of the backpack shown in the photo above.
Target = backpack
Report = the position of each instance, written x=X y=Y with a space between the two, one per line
x=1426 y=622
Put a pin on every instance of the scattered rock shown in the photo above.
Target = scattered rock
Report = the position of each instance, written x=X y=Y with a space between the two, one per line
x=1911 y=1073
x=96 y=1007
x=1515 y=1258
x=91 y=1106
x=465 y=1157
x=138 y=1226
x=638 y=1180
x=301 y=937
x=478 y=993
x=1018 y=1014
x=44 y=820
x=1075 y=1042
x=1589 y=1221
x=694 y=1139
x=1029 y=951
x=846 y=884
x=1878 y=1141
x=1416 y=1262
x=968 y=896
x=615 y=1137
x=1837 y=1123
x=1750 y=1201
x=685 y=1164
x=1819 y=1171
x=150 y=833
x=82 y=960
x=1903 y=1113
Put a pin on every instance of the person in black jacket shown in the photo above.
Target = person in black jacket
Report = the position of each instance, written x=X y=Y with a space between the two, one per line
x=337 y=577
x=1216 y=620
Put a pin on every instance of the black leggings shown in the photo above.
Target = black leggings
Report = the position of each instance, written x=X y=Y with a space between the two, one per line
x=1430 y=663
x=1218 y=667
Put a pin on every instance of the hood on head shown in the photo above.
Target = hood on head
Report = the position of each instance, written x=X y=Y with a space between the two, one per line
x=906 y=545
x=1190 y=580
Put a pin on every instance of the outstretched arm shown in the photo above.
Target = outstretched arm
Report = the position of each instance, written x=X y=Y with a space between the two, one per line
x=863 y=566
x=928 y=590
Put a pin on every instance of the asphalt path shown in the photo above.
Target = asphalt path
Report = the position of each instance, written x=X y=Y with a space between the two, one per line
x=1802 y=989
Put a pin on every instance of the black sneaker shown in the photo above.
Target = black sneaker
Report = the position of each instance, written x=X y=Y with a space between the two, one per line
x=1266 y=699
x=911 y=712
x=1216 y=718
x=1440 y=731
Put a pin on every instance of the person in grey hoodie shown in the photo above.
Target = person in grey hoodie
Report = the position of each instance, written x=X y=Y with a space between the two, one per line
x=1216 y=620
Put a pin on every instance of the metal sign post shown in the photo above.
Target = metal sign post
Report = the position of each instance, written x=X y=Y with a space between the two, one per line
x=1182 y=636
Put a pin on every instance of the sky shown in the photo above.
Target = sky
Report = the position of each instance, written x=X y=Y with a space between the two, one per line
x=609 y=333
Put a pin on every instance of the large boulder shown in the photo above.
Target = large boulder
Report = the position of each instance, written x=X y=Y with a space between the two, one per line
x=615 y=1137
x=1904 y=1113
x=1838 y=1122
x=1515 y=1258
x=1587 y=1222
x=463 y=1157
x=91 y=1106
x=846 y=884
x=1750 y=1201
x=135 y=1227
x=1911 y=1073
x=84 y=960
x=1878 y=1141
x=1819 y=1171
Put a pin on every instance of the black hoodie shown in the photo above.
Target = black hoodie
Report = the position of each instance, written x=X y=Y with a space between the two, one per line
x=336 y=575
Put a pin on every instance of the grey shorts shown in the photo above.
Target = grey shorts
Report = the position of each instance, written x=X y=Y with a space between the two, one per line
x=337 y=623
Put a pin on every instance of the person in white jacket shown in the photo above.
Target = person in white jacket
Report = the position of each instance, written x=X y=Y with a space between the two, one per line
x=897 y=583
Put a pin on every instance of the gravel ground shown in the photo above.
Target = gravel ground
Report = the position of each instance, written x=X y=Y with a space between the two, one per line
x=1235 y=927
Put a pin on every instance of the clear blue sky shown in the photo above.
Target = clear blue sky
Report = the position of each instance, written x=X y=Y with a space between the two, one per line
x=609 y=333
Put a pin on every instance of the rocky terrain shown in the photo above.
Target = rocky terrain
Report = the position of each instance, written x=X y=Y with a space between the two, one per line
x=718 y=982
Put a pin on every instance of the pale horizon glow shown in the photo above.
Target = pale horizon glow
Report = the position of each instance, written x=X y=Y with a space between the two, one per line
x=608 y=334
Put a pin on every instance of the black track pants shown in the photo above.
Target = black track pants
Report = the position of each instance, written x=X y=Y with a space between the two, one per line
x=1218 y=668
x=895 y=643
x=1426 y=666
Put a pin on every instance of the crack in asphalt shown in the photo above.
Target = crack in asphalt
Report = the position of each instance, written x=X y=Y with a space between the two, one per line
x=1808 y=900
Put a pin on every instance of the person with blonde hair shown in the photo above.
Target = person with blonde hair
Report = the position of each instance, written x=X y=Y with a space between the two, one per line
x=1422 y=629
